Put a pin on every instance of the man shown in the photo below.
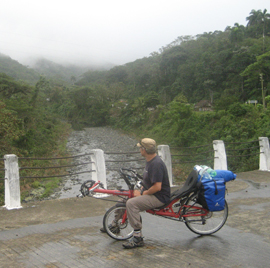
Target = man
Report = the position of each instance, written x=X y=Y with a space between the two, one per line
x=155 y=194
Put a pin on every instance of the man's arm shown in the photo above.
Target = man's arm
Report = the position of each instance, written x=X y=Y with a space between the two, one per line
x=153 y=189
x=156 y=187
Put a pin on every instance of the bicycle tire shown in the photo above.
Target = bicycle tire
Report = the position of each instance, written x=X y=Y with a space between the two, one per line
x=114 y=215
x=205 y=225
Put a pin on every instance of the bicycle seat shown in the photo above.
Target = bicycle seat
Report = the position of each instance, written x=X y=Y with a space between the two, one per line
x=189 y=186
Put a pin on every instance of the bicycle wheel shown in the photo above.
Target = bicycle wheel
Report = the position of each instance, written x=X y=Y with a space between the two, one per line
x=204 y=225
x=114 y=218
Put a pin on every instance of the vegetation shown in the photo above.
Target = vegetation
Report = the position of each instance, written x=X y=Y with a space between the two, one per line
x=17 y=71
x=155 y=96
x=28 y=127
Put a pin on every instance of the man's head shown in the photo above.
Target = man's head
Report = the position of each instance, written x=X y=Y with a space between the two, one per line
x=149 y=145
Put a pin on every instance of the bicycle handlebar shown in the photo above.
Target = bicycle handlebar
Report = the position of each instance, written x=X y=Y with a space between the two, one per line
x=89 y=187
x=136 y=176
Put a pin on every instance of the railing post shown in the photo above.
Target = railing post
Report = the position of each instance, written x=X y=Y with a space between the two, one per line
x=165 y=155
x=12 y=182
x=264 y=153
x=220 y=158
x=99 y=166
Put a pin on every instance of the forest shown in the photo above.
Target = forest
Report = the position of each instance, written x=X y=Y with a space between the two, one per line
x=213 y=86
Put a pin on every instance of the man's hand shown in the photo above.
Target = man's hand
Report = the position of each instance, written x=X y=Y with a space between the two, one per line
x=153 y=189
x=137 y=193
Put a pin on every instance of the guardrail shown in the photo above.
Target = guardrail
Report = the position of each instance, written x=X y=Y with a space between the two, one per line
x=98 y=165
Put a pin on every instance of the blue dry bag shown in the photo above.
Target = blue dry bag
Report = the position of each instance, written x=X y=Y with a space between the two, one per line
x=212 y=187
x=212 y=194
x=227 y=175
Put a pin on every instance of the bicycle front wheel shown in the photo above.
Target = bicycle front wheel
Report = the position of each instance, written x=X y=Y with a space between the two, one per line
x=204 y=225
x=116 y=223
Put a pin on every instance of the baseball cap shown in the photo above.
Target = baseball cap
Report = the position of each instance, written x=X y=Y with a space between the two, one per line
x=149 y=145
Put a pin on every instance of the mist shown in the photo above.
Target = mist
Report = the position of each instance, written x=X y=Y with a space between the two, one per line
x=109 y=32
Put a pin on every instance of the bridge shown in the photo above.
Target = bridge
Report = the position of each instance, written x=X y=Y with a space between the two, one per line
x=65 y=233
x=98 y=165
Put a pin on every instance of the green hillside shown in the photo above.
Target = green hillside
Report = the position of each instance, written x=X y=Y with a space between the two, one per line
x=18 y=71
x=58 y=72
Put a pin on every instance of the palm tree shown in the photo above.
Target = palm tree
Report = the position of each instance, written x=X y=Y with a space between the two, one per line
x=258 y=20
x=265 y=19
x=254 y=17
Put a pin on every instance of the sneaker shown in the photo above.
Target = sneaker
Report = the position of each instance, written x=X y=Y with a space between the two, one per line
x=113 y=229
x=135 y=241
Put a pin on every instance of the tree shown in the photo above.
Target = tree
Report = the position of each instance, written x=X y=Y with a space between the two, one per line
x=151 y=99
x=254 y=17
x=115 y=91
x=259 y=72
x=265 y=21
x=42 y=86
x=267 y=100
x=9 y=87
x=8 y=128
x=73 y=79
x=210 y=85
x=258 y=23
x=237 y=33
x=117 y=74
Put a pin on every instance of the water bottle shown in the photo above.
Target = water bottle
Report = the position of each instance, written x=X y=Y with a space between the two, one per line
x=207 y=172
x=211 y=172
x=198 y=168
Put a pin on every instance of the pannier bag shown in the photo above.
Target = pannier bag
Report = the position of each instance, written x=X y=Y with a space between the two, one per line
x=212 y=187
x=212 y=194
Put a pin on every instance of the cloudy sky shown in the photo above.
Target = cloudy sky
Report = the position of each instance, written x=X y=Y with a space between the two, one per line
x=114 y=31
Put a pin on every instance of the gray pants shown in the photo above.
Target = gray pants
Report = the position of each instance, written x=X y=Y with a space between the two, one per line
x=140 y=203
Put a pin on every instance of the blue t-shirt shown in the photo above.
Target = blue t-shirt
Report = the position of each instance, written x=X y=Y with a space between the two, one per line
x=156 y=171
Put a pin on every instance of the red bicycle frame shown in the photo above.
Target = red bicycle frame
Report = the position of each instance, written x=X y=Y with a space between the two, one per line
x=167 y=211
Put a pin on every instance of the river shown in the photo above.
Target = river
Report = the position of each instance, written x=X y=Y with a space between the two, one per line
x=106 y=139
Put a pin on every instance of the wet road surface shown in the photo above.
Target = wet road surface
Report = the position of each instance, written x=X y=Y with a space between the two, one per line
x=65 y=233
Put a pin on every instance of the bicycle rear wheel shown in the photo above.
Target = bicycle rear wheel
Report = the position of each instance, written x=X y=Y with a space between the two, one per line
x=204 y=225
x=116 y=217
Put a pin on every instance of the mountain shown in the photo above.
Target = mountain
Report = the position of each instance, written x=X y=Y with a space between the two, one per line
x=18 y=71
x=53 y=71
x=57 y=71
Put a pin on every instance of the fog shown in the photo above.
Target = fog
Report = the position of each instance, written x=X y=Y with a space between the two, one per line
x=106 y=31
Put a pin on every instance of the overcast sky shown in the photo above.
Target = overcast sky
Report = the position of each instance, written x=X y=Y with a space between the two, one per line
x=114 y=31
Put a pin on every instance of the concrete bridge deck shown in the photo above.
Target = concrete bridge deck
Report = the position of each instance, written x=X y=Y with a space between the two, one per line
x=65 y=233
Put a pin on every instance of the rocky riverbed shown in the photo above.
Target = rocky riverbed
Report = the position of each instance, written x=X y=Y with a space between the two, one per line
x=112 y=142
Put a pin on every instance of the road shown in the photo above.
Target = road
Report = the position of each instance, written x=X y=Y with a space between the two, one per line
x=65 y=233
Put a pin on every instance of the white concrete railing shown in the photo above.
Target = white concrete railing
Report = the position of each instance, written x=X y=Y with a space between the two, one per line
x=12 y=182
x=220 y=159
x=12 y=179
x=165 y=155
x=264 y=154
x=98 y=165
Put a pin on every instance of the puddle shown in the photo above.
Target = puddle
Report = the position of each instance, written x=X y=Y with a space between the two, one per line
x=254 y=190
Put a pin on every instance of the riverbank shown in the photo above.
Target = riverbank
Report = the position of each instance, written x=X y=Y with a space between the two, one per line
x=80 y=143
